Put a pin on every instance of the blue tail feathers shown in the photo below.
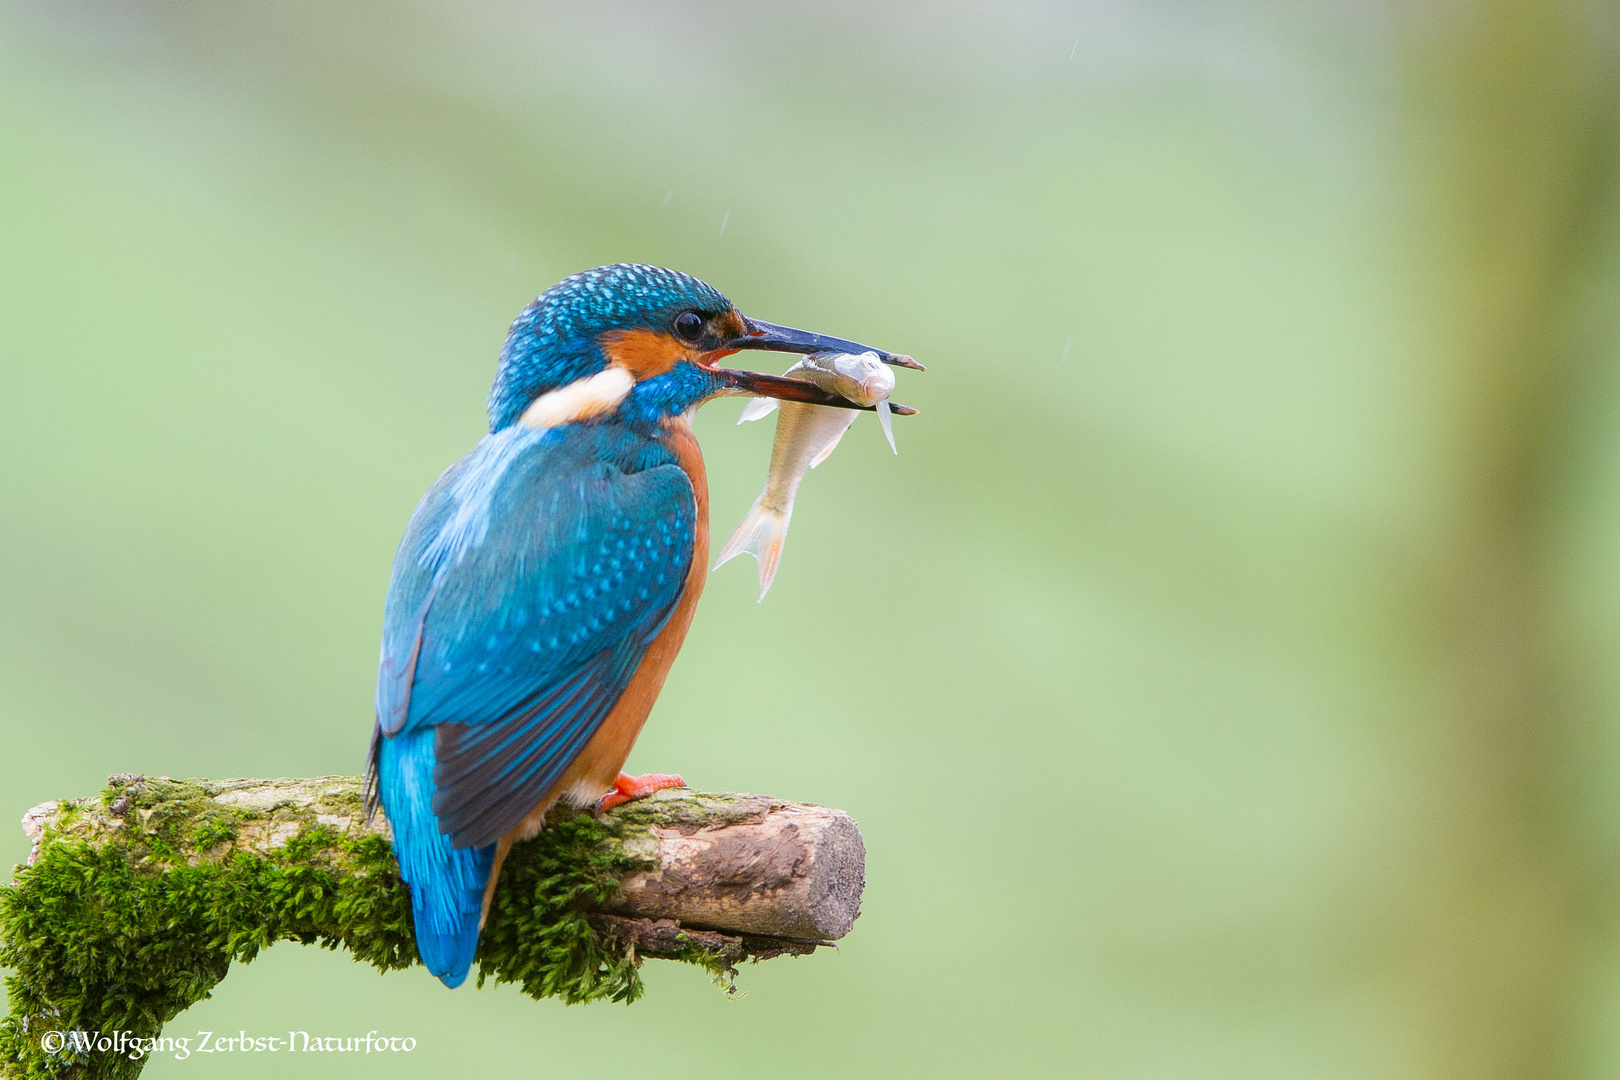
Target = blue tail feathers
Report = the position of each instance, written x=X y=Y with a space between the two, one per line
x=448 y=953
x=446 y=883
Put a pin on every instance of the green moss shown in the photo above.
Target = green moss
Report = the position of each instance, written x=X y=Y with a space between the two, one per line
x=122 y=931
x=538 y=936
x=720 y=966
x=211 y=831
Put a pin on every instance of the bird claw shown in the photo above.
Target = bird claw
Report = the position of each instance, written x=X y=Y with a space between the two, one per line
x=628 y=787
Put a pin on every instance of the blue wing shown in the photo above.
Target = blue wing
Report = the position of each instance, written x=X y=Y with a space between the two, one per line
x=530 y=582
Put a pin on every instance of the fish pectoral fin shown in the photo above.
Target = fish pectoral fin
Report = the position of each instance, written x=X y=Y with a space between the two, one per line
x=757 y=409
x=887 y=420
x=826 y=451
x=761 y=534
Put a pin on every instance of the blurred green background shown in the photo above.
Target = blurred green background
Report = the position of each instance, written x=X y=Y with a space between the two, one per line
x=1224 y=674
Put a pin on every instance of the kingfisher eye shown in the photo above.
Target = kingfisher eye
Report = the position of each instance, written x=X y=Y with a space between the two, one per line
x=689 y=325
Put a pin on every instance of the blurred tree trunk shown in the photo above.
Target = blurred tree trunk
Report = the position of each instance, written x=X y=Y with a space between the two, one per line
x=1511 y=123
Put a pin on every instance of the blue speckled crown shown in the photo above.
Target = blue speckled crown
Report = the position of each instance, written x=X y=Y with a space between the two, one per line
x=555 y=340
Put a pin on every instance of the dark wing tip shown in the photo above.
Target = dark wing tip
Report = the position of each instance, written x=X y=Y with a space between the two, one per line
x=371 y=798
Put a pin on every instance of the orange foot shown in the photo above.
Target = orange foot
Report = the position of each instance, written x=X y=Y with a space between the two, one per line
x=628 y=787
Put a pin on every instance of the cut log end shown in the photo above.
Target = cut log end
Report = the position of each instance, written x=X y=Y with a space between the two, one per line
x=766 y=867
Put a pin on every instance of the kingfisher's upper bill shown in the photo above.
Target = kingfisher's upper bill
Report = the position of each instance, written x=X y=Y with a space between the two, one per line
x=764 y=335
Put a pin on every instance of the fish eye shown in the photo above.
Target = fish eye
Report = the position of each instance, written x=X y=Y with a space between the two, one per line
x=689 y=325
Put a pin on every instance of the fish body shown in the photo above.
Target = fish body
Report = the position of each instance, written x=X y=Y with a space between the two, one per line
x=806 y=435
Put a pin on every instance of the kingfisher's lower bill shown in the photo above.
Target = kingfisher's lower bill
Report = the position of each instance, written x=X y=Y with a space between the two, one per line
x=547 y=580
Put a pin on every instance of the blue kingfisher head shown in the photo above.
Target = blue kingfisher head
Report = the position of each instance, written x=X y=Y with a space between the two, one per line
x=642 y=342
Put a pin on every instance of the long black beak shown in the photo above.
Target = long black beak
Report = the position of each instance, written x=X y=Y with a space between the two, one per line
x=779 y=386
x=764 y=335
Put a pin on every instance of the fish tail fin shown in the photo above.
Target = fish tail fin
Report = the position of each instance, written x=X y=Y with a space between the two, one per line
x=446 y=883
x=761 y=534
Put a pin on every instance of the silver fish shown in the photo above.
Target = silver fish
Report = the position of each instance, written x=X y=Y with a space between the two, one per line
x=805 y=436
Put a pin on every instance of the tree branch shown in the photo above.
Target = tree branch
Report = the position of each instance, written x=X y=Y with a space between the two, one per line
x=134 y=904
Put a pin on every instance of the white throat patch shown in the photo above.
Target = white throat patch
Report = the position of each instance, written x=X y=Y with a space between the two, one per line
x=580 y=399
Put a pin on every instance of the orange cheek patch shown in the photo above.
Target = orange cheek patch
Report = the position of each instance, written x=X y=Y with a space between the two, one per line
x=644 y=353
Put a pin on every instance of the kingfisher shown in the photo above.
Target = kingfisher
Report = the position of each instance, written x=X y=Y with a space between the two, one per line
x=546 y=581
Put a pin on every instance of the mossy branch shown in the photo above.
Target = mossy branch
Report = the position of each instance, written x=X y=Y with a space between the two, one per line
x=134 y=904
